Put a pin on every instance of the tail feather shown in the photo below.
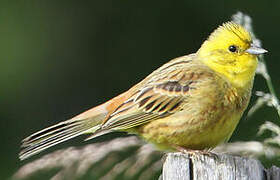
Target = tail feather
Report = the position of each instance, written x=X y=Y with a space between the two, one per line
x=58 y=128
x=56 y=134
x=87 y=122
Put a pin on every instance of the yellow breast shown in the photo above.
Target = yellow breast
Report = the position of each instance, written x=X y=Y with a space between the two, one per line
x=206 y=120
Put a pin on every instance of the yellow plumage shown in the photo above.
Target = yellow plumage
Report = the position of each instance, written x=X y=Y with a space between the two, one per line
x=211 y=110
x=192 y=102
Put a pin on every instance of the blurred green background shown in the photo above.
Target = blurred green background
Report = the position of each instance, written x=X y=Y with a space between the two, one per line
x=59 y=58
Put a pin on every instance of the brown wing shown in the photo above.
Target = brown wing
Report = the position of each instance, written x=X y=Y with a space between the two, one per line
x=160 y=94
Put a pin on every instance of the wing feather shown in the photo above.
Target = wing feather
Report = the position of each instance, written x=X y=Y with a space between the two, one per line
x=161 y=94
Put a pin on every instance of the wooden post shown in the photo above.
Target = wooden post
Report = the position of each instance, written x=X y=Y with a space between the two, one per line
x=178 y=166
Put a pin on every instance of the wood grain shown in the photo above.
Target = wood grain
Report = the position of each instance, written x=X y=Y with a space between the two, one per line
x=178 y=166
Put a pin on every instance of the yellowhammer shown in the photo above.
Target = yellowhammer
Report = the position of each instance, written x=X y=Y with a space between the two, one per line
x=192 y=102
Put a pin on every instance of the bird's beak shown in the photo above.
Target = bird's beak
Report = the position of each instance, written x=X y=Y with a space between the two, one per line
x=255 y=50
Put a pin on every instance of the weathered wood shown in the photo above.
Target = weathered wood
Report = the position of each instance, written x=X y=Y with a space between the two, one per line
x=178 y=166
x=273 y=173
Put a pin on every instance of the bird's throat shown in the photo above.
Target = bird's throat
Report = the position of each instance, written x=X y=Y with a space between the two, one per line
x=241 y=75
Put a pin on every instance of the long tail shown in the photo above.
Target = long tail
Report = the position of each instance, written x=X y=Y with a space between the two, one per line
x=85 y=123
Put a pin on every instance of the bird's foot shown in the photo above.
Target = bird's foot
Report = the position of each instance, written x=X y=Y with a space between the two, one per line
x=193 y=152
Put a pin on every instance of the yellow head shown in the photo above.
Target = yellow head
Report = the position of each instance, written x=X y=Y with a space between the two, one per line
x=229 y=51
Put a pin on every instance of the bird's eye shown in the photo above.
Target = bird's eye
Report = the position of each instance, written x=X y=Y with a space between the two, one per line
x=232 y=48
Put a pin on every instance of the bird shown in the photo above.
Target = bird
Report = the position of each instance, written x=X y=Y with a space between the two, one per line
x=193 y=102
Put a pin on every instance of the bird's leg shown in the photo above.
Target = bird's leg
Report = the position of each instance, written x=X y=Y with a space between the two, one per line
x=193 y=152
